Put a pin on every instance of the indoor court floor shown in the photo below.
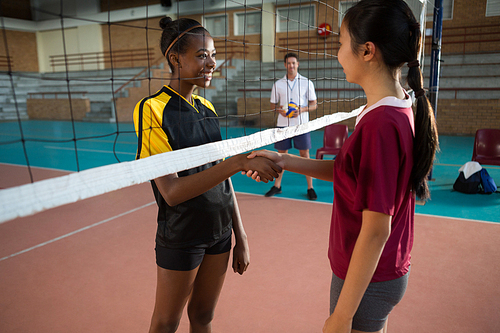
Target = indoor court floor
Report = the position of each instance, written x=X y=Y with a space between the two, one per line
x=89 y=266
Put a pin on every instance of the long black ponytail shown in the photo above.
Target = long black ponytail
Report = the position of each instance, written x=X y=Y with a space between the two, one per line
x=392 y=27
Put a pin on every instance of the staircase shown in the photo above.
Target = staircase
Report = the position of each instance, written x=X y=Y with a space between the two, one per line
x=463 y=76
x=98 y=87
x=467 y=76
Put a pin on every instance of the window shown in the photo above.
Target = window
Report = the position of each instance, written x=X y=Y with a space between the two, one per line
x=216 y=25
x=415 y=6
x=493 y=8
x=343 y=7
x=295 y=18
x=248 y=23
x=447 y=10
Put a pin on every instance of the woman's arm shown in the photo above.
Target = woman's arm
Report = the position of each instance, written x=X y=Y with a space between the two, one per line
x=175 y=189
x=241 y=251
x=375 y=230
x=319 y=169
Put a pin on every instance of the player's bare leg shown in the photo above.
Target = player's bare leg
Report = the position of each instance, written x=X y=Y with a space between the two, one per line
x=206 y=291
x=172 y=293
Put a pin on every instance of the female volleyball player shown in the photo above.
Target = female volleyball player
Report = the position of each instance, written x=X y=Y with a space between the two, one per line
x=380 y=169
x=197 y=208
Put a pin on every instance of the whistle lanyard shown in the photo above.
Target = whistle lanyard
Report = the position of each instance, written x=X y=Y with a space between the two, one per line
x=293 y=86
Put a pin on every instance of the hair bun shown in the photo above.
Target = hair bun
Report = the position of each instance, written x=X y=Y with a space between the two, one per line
x=165 y=21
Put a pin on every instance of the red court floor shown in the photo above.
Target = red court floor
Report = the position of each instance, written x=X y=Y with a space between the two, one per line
x=89 y=267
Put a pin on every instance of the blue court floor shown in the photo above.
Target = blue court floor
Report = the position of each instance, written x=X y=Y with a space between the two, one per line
x=51 y=144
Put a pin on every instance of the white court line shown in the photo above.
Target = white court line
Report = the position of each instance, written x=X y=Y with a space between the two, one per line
x=459 y=165
x=77 y=231
x=329 y=203
x=458 y=218
x=91 y=150
x=35 y=166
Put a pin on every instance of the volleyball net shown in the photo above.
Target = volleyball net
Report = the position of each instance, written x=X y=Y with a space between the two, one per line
x=123 y=63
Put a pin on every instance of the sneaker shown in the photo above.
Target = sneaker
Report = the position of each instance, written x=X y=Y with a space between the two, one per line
x=311 y=194
x=274 y=190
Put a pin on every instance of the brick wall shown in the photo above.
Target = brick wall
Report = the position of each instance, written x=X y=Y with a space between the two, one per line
x=57 y=109
x=454 y=116
x=464 y=117
x=132 y=35
x=22 y=50
x=468 y=13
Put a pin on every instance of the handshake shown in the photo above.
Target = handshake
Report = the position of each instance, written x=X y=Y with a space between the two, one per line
x=262 y=165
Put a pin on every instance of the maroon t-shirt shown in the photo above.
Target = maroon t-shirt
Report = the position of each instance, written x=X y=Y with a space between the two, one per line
x=372 y=171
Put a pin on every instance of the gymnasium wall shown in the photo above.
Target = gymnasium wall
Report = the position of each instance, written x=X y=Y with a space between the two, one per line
x=469 y=13
x=131 y=35
x=30 y=51
x=22 y=50
x=465 y=116
x=461 y=117
x=78 y=40
x=468 y=17
x=466 y=13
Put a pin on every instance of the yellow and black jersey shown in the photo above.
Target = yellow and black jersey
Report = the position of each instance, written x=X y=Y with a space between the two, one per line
x=164 y=122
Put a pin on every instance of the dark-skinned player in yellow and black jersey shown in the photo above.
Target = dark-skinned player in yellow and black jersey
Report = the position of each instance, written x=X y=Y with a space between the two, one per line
x=197 y=208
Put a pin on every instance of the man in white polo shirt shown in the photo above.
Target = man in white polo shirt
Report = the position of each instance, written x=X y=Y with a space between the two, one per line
x=293 y=88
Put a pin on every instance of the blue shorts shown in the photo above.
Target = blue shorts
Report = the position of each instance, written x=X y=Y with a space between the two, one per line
x=187 y=259
x=300 y=142
x=377 y=302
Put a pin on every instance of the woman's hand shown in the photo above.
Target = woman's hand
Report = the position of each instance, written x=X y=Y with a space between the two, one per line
x=262 y=166
x=333 y=325
x=273 y=156
x=241 y=256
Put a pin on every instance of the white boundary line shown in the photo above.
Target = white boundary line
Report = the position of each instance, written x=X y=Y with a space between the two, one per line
x=249 y=194
x=90 y=150
x=77 y=231
x=419 y=214
x=35 y=166
x=458 y=218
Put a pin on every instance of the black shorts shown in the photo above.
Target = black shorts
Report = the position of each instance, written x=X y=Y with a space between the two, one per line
x=187 y=259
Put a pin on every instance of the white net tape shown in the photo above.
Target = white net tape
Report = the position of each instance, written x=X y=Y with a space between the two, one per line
x=32 y=198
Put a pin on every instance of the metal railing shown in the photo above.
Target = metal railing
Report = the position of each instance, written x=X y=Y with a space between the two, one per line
x=6 y=63
x=481 y=35
x=133 y=57
x=33 y=95
x=309 y=44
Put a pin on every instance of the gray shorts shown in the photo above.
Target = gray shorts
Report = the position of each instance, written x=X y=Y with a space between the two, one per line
x=378 y=301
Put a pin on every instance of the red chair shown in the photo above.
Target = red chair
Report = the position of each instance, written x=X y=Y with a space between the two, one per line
x=333 y=139
x=487 y=146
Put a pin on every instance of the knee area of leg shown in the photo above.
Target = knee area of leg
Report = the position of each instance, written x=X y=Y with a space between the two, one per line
x=202 y=317
x=167 y=326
